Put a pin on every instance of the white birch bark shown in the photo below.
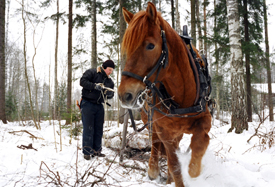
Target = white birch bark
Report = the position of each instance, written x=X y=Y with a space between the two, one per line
x=178 y=18
x=238 y=100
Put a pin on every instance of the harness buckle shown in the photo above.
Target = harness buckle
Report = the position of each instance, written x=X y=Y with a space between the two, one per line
x=162 y=61
x=201 y=107
x=206 y=98
x=162 y=32
x=144 y=79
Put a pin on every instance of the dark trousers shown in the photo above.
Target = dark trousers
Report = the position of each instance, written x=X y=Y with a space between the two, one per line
x=92 y=119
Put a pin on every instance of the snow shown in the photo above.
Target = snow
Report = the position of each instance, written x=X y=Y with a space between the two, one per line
x=228 y=162
x=263 y=87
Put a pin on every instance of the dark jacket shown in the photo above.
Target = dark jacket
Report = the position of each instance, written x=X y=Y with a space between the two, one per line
x=88 y=80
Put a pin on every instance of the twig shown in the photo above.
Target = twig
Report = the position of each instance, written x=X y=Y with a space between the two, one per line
x=256 y=130
x=32 y=136
x=56 y=176
x=26 y=147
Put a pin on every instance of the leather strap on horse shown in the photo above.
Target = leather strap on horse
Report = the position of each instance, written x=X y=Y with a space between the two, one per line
x=134 y=124
x=195 y=71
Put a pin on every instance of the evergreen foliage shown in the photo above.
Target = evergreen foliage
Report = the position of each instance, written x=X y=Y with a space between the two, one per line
x=255 y=31
x=11 y=105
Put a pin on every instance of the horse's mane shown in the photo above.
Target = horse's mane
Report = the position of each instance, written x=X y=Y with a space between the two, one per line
x=136 y=32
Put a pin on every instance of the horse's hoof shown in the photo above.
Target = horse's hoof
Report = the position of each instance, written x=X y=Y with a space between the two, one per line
x=153 y=174
x=194 y=170
x=169 y=180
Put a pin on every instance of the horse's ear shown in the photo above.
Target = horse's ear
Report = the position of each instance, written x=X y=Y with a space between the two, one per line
x=127 y=15
x=151 y=12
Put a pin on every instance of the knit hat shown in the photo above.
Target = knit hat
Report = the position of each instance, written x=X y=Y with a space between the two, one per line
x=108 y=63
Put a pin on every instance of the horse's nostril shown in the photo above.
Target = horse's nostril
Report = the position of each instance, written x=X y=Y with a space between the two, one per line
x=128 y=97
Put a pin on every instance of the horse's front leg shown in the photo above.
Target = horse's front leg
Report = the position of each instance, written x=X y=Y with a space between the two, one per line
x=156 y=149
x=199 y=144
x=171 y=146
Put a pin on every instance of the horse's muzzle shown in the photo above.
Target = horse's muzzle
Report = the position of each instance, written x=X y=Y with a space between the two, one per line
x=132 y=100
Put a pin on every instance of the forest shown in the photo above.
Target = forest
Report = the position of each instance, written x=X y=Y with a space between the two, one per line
x=46 y=46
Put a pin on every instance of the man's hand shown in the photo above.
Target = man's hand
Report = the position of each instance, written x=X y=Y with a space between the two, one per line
x=98 y=87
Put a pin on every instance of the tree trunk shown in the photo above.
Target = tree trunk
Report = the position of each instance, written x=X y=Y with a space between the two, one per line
x=173 y=14
x=199 y=24
x=178 y=18
x=193 y=21
x=217 y=66
x=139 y=5
x=117 y=78
x=205 y=4
x=247 y=64
x=123 y=57
x=25 y=61
x=239 y=116
x=35 y=83
x=94 y=36
x=2 y=62
x=56 y=63
x=34 y=75
x=122 y=29
x=69 y=83
x=268 y=69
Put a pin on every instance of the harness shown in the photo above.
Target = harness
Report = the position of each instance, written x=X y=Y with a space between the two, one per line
x=157 y=88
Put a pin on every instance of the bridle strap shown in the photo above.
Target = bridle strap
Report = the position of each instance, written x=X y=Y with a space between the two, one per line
x=130 y=74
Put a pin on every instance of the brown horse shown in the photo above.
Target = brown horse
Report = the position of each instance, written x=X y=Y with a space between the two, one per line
x=143 y=45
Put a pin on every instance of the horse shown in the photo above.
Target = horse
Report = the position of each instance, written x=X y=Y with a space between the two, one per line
x=147 y=65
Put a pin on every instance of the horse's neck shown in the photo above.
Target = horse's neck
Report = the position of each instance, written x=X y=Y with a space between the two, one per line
x=180 y=83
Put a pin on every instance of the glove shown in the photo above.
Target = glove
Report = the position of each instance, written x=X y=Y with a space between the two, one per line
x=98 y=87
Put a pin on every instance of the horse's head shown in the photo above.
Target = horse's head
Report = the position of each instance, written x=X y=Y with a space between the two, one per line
x=142 y=45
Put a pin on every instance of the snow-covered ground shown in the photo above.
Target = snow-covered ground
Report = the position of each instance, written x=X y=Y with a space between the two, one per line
x=229 y=161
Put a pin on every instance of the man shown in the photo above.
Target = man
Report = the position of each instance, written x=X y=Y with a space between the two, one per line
x=93 y=82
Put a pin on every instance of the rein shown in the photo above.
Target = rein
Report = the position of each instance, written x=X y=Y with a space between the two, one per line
x=202 y=83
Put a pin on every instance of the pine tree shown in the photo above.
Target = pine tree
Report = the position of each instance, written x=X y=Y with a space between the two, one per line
x=69 y=79
x=2 y=62
x=220 y=40
x=251 y=12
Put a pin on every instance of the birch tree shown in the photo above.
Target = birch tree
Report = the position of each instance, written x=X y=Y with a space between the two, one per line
x=193 y=21
x=177 y=18
x=238 y=99
x=205 y=4
x=198 y=23
x=173 y=14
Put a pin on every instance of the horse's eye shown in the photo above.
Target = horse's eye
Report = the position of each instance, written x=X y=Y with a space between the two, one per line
x=150 y=46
